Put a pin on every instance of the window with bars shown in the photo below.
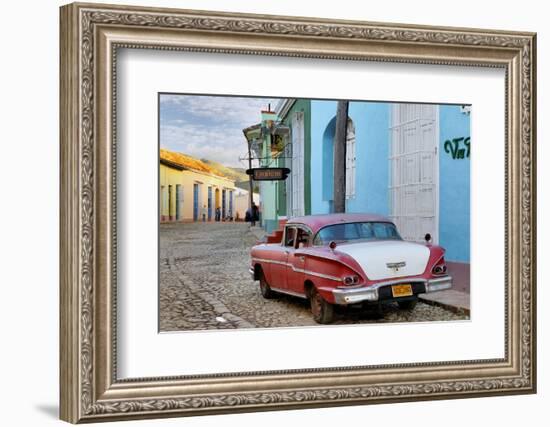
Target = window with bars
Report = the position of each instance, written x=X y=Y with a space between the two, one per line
x=297 y=169
x=350 y=160
x=413 y=161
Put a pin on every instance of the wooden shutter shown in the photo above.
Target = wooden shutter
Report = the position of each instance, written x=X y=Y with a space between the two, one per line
x=413 y=186
x=350 y=160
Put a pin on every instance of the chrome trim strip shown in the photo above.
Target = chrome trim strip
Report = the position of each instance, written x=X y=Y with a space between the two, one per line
x=356 y=289
x=324 y=276
x=285 y=291
x=299 y=270
x=269 y=261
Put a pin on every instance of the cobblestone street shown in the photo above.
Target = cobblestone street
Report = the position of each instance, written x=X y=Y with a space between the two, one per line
x=205 y=284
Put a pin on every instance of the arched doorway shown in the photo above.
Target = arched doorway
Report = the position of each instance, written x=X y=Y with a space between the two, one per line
x=328 y=161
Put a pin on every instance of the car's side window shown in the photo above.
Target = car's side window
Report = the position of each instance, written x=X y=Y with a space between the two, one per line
x=290 y=236
x=302 y=238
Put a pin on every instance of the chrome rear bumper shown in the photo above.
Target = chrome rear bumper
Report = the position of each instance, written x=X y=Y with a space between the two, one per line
x=345 y=296
x=439 y=284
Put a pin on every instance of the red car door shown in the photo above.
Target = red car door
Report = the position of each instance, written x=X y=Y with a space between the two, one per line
x=278 y=278
x=296 y=262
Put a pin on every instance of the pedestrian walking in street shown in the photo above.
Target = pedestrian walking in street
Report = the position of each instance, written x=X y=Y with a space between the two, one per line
x=204 y=213
x=251 y=215
x=218 y=214
x=255 y=214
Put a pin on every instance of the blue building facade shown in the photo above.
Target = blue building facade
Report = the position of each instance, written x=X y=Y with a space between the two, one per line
x=454 y=182
x=371 y=122
x=410 y=162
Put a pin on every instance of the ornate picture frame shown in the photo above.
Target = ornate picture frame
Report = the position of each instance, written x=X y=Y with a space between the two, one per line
x=90 y=37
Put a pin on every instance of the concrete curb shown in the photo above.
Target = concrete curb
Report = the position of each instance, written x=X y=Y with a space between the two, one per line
x=446 y=304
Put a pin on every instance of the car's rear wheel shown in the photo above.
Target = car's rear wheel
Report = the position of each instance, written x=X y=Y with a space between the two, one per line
x=323 y=311
x=408 y=304
x=266 y=291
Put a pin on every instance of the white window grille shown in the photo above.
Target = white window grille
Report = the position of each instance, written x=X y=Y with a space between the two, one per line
x=297 y=169
x=413 y=169
x=350 y=160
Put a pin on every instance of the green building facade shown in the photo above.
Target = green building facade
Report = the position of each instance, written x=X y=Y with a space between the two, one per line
x=283 y=139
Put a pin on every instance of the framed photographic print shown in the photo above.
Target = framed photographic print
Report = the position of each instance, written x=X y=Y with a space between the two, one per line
x=268 y=212
x=386 y=231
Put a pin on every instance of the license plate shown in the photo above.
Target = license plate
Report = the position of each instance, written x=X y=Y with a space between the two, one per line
x=401 y=290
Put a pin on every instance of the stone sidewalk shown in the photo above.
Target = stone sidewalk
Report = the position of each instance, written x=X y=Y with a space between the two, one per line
x=455 y=301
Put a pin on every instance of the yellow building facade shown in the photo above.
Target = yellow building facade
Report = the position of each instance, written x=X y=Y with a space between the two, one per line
x=190 y=191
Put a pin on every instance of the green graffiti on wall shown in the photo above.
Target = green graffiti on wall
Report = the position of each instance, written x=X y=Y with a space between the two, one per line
x=455 y=149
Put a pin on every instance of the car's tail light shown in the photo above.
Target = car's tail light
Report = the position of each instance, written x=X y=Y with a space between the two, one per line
x=440 y=267
x=350 y=280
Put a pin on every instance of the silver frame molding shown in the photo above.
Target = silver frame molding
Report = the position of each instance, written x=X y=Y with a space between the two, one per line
x=90 y=37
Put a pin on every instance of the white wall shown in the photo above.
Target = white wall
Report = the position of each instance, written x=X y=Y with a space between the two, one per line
x=29 y=214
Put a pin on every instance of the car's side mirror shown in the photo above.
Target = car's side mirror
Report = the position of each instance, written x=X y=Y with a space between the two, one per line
x=428 y=237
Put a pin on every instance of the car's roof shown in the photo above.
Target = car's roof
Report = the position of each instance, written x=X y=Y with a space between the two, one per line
x=316 y=222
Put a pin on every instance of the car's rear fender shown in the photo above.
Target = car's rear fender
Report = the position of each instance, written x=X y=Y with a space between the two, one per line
x=330 y=271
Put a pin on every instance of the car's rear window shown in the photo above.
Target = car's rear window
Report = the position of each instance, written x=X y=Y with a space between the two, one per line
x=357 y=231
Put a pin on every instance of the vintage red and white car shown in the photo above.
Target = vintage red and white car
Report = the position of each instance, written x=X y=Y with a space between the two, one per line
x=349 y=260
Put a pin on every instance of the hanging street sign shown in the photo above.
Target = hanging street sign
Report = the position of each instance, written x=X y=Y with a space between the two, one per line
x=268 y=174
